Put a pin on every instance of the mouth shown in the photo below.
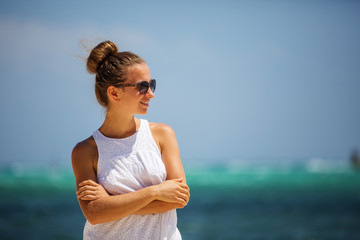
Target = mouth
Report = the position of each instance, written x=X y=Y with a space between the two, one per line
x=145 y=103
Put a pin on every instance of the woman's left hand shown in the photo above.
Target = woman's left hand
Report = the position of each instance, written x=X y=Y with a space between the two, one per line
x=90 y=190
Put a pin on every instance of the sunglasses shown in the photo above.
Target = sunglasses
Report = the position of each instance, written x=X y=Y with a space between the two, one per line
x=143 y=86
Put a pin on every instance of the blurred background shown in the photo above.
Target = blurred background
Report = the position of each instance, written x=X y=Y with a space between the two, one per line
x=263 y=96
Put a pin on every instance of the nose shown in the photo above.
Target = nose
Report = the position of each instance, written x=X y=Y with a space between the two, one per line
x=150 y=93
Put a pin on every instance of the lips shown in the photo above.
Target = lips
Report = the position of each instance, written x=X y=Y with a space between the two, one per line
x=145 y=103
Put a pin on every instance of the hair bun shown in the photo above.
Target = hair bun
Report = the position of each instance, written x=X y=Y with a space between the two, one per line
x=99 y=54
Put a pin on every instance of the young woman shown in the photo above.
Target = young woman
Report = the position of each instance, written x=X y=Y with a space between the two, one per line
x=129 y=176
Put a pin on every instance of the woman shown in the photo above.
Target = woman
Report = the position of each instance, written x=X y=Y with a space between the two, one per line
x=129 y=176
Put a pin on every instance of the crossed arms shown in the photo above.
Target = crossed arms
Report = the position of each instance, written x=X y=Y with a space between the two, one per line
x=99 y=207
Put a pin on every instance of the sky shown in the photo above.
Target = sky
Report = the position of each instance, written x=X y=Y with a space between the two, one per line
x=235 y=79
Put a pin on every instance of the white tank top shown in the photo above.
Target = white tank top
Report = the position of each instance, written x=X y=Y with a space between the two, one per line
x=127 y=165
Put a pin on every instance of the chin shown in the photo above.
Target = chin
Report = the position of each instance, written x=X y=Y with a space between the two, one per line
x=142 y=112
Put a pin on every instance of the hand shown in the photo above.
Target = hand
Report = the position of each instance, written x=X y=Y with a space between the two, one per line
x=173 y=191
x=90 y=190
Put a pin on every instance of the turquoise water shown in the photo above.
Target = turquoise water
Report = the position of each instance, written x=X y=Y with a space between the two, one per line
x=228 y=201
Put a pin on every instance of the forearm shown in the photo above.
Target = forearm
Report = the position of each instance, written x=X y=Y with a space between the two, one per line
x=158 y=207
x=117 y=206
x=99 y=207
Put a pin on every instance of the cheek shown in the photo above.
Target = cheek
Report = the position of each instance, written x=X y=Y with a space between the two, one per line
x=136 y=101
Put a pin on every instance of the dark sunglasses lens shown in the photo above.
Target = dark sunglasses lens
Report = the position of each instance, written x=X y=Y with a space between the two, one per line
x=153 y=85
x=143 y=87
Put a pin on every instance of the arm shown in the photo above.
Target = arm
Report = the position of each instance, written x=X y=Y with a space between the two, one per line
x=165 y=138
x=90 y=190
x=109 y=208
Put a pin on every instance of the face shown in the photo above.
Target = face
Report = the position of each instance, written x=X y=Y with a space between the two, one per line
x=131 y=99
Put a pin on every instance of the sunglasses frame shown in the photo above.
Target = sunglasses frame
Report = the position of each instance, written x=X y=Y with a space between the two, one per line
x=140 y=84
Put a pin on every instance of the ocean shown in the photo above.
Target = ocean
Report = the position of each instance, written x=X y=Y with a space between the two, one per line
x=234 y=199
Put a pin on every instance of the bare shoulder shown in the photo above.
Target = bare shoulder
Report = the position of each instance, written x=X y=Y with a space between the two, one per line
x=169 y=149
x=84 y=159
x=164 y=136
x=85 y=149
x=161 y=130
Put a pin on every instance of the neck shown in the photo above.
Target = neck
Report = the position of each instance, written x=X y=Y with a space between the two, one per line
x=118 y=125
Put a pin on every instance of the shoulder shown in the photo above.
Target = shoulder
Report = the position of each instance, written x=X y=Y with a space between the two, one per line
x=85 y=149
x=169 y=149
x=163 y=135
x=161 y=130
x=84 y=160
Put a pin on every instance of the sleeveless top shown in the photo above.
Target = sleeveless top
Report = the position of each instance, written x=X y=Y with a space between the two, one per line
x=127 y=165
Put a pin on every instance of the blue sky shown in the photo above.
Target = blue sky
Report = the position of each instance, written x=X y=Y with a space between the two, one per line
x=236 y=79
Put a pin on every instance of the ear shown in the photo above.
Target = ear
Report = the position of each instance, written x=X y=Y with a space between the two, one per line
x=113 y=93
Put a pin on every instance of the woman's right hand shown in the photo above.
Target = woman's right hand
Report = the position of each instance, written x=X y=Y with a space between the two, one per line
x=90 y=190
x=174 y=191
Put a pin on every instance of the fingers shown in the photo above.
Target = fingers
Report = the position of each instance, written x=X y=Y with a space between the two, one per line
x=184 y=194
x=185 y=198
x=178 y=180
x=182 y=199
x=87 y=194
x=88 y=182
x=180 y=183
x=88 y=197
x=184 y=190
x=185 y=186
x=83 y=194
x=86 y=189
